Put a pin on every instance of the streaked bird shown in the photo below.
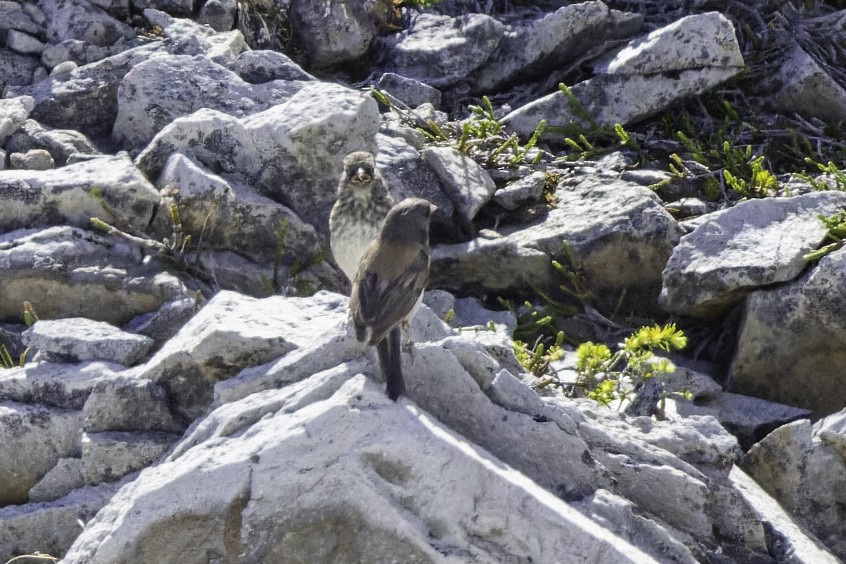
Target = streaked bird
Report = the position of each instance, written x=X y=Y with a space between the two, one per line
x=389 y=283
x=359 y=212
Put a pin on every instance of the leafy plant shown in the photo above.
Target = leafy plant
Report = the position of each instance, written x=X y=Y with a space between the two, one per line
x=832 y=172
x=538 y=359
x=6 y=359
x=836 y=226
x=609 y=377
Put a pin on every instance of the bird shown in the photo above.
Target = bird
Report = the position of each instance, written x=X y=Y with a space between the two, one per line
x=388 y=285
x=359 y=211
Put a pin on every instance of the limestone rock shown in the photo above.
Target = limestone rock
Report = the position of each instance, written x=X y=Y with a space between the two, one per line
x=440 y=50
x=229 y=334
x=13 y=113
x=39 y=437
x=62 y=479
x=79 y=19
x=58 y=385
x=85 y=99
x=232 y=216
x=109 y=456
x=128 y=404
x=69 y=272
x=618 y=231
x=333 y=33
x=13 y=16
x=25 y=43
x=525 y=190
x=530 y=50
x=752 y=245
x=62 y=144
x=16 y=70
x=34 y=159
x=79 y=339
x=409 y=91
x=283 y=151
x=805 y=87
x=155 y=92
x=791 y=343
x=236 y=478
x=218 y=14
x=74 y=194
x=258 y=67
x=467 y=184
x=807 y=476
x=50 y=527
x=702 y=51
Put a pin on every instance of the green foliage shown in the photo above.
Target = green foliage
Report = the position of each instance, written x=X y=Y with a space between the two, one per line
x=6 y=359
x=449 y=316
x=609 y=377
x=831 y=171
x=484 y=138
x=538 y=359
x=836 y=226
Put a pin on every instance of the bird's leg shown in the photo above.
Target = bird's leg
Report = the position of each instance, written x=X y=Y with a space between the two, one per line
x=409 y=342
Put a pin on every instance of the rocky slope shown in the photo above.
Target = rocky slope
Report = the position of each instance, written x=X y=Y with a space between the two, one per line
x=191 y=392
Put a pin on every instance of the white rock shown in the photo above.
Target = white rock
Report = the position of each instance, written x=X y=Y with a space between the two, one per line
x=13 y=113
x=62 y=479
x=752 y=245
x=618 y=231
x=34 y=438
x=80 y=339
x=440 y=50
x=631 y=88
x=23 y=43
x=333 y=33
x=791 y=343
x=58 y=385
x=807 y=477
x=355 y=485
x=160 y=89
x=109 y=456
x=75 y=193
x=467 y=184
x=50 y=527
x=806 y=88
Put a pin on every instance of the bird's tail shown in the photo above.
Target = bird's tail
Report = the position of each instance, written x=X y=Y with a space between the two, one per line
x=391 y=362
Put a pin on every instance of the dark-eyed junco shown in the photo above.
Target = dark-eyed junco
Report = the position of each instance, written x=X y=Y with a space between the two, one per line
x=389 y=283
x=358 y=214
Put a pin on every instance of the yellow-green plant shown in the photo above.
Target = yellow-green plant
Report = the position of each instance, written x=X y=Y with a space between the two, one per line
x=609 y=377
x=6 y=360
x=836 y=233
x=538 y=358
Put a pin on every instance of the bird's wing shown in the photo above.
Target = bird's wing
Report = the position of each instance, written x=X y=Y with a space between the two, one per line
x=382 y=299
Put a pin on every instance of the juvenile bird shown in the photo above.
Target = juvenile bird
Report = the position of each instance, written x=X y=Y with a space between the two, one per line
x=358 y=214
x=389 y=283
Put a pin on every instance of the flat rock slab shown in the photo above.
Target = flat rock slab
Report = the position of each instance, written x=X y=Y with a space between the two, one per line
x=79 y=339
x=57 y=385
x=752 y=245
x=72 y=195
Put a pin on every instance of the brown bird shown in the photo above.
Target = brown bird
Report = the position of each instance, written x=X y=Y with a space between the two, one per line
x=359 y=213
x=389 y=283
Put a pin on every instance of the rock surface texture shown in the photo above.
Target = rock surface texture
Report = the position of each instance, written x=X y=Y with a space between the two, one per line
x=179 y=378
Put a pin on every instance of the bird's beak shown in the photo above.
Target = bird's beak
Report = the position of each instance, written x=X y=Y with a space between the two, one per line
x=432 y=209
x=361 y=176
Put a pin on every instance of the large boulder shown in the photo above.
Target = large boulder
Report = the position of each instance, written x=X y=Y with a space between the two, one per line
x=291 y=152
x=803 y=467
x=752 y=245
x=791 y=343
x=618 y=233
x=683 y=59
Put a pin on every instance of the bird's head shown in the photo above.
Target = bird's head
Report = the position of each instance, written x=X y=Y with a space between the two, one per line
x=359 y=169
